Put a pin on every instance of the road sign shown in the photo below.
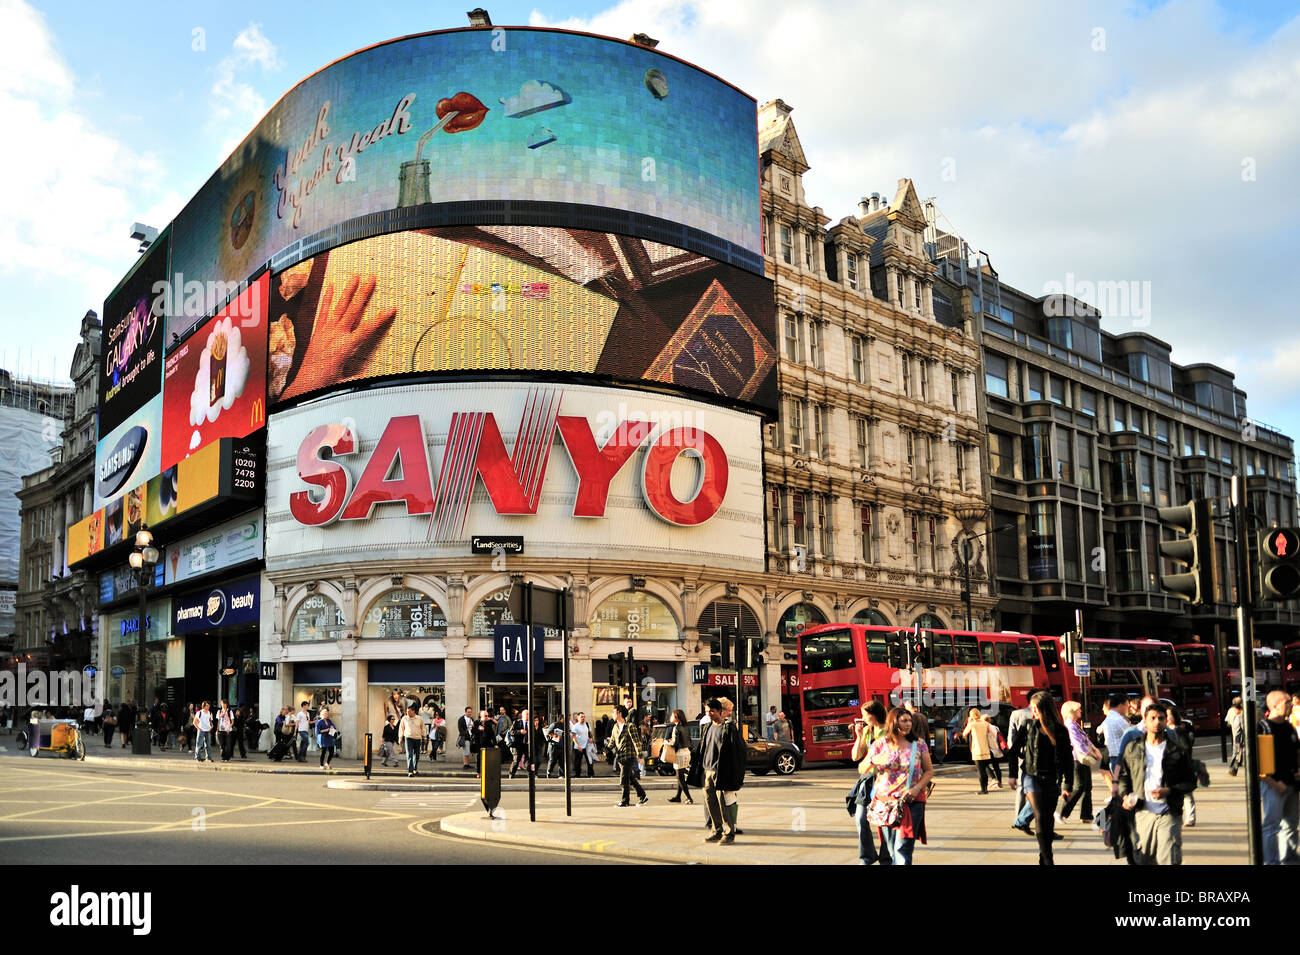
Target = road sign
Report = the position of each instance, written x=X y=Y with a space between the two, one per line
x=1082 y=664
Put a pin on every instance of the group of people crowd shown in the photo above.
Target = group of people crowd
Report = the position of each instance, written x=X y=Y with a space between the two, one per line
x=1142 y=751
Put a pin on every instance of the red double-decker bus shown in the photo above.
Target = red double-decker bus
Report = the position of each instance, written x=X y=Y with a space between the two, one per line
x=1200 y=686
x=842 y=666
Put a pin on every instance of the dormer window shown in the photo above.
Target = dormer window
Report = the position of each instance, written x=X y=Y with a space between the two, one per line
x=851 y=269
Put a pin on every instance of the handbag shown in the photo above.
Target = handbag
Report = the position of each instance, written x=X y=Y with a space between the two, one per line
x=859 y=794
x=682 y=758
x=887 y=813
x=1091 y=758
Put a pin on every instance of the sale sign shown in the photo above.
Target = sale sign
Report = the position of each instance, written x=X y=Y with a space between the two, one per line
x=214 y=383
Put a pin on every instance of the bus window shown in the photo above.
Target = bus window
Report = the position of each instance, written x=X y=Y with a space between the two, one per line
x=986 y=653
x=968 y=652
x=1193 y=660
x=830 y=698
x=1166 y=658
x=877 y=652
x=831 y=650
x=1029 y=653
x=1125 y=656
x=1007 y=656
x=943 y=655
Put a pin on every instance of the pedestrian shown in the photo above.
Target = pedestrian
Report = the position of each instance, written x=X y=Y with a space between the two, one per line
x=464 y=731
x=110 y=724
x=625 y=742
x=903 y=772
x=1113 y=728
x=326 y=736
x=1155 y=774
x=225 y=727
x=866 y=731
x=241 y=724
x=782 y=731
x=519 y=743
x=555 y=746
x=427 y=714
x=187 y=726
x=1046 y=760
x=203 y=733
x=87 y=718
x=1174 y=726
x=439 y=734
x=302 y=723
x=1236 y=720
x=679 y=738
x=579 y=736
x=126 y=716
x=505 y=723
x=982 y=735
x=1278 y=790
x=770 y=718
x=388 y=746
x=483 y=736
x=411 y=733
x=920 y=725
x=1085 y=756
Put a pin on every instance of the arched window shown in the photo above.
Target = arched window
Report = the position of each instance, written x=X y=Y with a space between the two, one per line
x=928 y=621
x=870 y=618
x=404 y=612
x=633 y=615
x=317 y=618
x=795 y=619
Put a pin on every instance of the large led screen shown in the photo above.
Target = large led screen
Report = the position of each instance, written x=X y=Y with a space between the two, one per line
x=467 y=116
x=130 y=370
x=130 y=454
x=214 y=383
x=518 y=298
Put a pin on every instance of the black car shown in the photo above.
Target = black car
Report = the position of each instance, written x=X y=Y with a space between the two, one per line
x=765 y=756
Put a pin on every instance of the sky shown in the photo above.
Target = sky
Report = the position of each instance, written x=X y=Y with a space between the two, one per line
x=1146 y=143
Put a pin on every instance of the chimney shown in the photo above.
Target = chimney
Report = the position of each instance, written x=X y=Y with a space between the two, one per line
x=875 y=201
x=864 y=208
x=478 y=17
x=643 y=39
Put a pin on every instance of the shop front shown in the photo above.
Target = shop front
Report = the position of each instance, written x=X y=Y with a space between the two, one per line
x=122 y=649
x=219 y=624
x=418 y=683
x=320 y=684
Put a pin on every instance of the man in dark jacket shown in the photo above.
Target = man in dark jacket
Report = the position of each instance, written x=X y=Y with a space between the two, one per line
x=1155 y=774
x=722 y=765
x=626 y=744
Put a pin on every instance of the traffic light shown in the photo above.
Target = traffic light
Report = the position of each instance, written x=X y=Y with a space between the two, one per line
x=725 y=637
x=715 y=646
x=926 y=649
x=1196 y=550
x=616 y=668
x=1070 y=642
x=1279 y=563
x=896 y=650
x=748 y=650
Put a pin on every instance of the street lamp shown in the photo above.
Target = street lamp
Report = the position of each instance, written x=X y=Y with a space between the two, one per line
x=142 y=561
x=970 y=515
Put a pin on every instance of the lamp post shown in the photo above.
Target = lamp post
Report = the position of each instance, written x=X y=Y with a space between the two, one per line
x=969 y=515
x=142 y=561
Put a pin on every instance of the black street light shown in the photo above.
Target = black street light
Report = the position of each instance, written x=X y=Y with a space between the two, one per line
x=142 y=560
x=967 y=556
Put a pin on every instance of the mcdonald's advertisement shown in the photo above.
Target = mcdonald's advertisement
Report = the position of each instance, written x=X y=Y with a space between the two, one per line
x=214 y=383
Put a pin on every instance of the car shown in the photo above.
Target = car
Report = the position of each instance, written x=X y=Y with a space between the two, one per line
x=765 y=756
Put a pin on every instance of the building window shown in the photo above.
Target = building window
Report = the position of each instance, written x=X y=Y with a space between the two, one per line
x=898 y=287
x=792 y=338
x=815 y=344
x=960 y=450
x=1137 y=367
x=910 y=443
x=794 y=424
x=864 y=524
x=798 y=517
x=1088 y=402
x=767 y=235
x=1042 y=541
x=1070 y=543
x=956 y=390
x=859 y=360
x=1038 y=453
x=820 y=413
x=1145 y=473
x=925 y=377
x=913 y=543
x=932 y=460
x=1001 y=455
x=851 y=269
x=1164 y=482
x=1056 y=390
x=317 y=618
x=404 y=613
x=995 y=375
x=787 y=244
x=778 y=523
x=825 y=510
x=808 y=251
x=1034 y=383
x=1092 y=547
x=916 y=295
x=907 y=374
x=1064 y=454
x=1162 y=429
x=1124 y=476
x=1083 y=460
x=864 y=443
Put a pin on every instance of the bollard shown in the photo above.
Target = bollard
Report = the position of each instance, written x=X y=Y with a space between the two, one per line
x=490 y=777
x=370 y=741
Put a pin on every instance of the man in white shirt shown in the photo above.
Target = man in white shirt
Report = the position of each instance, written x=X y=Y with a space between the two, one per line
x=203 y=724
x=579 y=733
x=770 y=718
x=303 y=721
x=1113 y=728
x=1155 y=777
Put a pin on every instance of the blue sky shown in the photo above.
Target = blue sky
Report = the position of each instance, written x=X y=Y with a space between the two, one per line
x=1113 y=141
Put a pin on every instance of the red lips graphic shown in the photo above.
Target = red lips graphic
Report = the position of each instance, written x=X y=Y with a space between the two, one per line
x=469 y=110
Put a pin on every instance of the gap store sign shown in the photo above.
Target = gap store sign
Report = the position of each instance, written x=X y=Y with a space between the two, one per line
x=225 y=605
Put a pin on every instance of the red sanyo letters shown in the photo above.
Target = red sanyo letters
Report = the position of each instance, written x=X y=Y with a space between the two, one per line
x=399 y=470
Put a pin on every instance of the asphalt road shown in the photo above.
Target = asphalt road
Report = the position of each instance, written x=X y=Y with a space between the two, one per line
x=55 y=811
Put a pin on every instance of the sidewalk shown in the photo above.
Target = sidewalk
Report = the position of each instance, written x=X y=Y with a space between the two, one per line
x=808 y=825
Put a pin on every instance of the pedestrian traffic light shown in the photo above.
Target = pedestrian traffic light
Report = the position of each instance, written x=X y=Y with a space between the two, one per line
x=896 y=649
x=1196 y=550
x=616 y=668
x=748 y=653
x=724 y=636
x=1279 y=563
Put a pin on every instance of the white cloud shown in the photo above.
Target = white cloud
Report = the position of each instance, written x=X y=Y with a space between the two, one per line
x=236 y=104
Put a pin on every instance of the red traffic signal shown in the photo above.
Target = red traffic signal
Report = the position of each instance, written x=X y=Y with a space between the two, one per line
x=1279 y=563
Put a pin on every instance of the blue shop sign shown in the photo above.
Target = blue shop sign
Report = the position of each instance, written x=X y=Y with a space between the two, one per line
x=510 y=649
x=224 y=605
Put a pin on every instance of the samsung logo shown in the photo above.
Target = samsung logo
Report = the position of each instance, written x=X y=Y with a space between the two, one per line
x=117 y=465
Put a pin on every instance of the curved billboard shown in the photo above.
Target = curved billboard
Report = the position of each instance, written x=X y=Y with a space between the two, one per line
x=507 y=125
x=521 y=299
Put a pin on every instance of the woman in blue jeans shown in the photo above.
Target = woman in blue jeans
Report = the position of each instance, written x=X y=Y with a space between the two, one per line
x=903 y=774
x=325 y=734
x=1047 y=759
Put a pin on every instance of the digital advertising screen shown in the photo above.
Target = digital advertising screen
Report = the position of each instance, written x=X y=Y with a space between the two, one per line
x=521 y=298
x=130 y=454
x=214 y=383
x=130 y=371
x=471 y=116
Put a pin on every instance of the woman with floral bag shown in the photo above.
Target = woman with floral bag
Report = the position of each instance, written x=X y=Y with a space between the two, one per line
x=903 y=774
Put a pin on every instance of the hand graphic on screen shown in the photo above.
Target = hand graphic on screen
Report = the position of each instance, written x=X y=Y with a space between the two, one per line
x=341 y=342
